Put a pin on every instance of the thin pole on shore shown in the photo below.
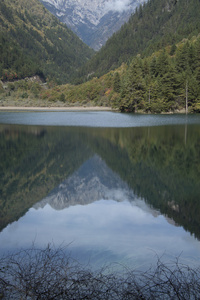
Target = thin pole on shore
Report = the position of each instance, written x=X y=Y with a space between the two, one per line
x=186 y=98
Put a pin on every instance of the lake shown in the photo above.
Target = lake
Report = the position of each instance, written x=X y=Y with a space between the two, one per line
x=113 y=188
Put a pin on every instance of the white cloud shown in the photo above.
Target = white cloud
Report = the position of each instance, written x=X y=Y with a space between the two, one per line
x=117 y=5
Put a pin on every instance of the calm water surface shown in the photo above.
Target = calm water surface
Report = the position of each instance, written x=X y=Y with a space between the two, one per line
x=94 y=119
x=116 y=188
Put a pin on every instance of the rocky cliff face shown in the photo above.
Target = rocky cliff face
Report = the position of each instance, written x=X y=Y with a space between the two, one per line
x=94 y=21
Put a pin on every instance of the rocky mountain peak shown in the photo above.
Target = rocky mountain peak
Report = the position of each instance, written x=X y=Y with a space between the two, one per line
x=94 y=21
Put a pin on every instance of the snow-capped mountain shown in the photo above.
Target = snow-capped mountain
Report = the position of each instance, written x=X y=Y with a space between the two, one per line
x=94 y=21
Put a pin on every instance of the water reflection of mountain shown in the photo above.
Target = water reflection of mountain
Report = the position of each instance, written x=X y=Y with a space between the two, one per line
x=161 y=165
x=93 y=181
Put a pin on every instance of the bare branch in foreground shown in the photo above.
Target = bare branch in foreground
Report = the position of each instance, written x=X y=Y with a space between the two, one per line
x=50 y=274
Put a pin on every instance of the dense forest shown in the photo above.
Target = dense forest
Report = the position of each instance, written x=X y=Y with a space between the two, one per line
x=34 y=42
x=166 y=81
x=154 y=25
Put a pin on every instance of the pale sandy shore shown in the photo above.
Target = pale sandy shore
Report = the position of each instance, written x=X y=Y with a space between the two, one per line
x=51 y=108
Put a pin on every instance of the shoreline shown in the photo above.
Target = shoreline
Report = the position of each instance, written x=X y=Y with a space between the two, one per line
x=74 y=109
x=55 y=108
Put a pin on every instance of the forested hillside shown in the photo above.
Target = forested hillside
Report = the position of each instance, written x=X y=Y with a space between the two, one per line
x=32 y=41
x=162 y=82
x=158 y=53
x=156 y=24
x=166 y=81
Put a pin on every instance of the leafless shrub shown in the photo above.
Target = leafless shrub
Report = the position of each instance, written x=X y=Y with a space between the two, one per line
x=51 y=274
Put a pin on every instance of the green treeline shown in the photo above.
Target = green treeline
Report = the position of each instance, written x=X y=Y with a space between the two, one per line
x=162 y=82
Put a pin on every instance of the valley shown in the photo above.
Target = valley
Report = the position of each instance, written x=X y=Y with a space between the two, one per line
x=150 y=65
x=93 y=21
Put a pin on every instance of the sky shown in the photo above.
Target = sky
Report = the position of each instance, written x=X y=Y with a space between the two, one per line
x=105 y=231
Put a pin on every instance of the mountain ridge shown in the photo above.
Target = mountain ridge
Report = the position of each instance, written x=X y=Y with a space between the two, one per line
x=93 y=21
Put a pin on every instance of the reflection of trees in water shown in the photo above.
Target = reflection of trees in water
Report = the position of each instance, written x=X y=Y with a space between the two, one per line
x=160 y=164
x=33 y=160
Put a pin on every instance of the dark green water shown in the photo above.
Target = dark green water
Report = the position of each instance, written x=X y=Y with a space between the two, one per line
x=122 y=193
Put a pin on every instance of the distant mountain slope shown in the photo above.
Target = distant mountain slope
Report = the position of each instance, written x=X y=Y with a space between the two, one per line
x=153 y=26
x=32 y=41
x=93 y=21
